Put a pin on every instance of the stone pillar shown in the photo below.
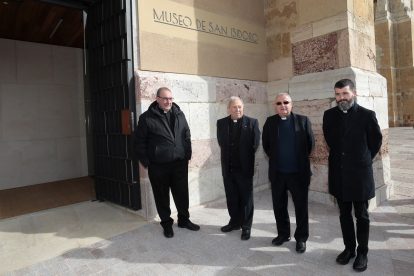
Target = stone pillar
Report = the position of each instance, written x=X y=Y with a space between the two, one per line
x=311 y=45
x=394 y=30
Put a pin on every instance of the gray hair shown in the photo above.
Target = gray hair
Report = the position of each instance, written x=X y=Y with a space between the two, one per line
x=232 y=98
x=280 y=94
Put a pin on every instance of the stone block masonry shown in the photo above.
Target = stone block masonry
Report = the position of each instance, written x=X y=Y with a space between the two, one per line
x=311 y=45
x=312 y=94
x=203 y=100
x=394 y=36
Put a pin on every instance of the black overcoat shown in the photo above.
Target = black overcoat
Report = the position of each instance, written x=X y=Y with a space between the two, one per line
x=156 y=143
x=249 y=142
x=305 y=142
x=352 y=148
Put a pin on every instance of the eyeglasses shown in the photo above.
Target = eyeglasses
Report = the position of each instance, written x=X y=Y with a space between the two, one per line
x=285 y=103
x=166 y=99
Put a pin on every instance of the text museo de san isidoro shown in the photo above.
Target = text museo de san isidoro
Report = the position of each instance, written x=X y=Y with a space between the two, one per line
x=186 y=22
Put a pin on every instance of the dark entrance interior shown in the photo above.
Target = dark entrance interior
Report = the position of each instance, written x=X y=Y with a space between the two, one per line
x=103 y=30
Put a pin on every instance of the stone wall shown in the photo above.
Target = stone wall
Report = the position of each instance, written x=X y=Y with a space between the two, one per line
x=311 y=44
x=197 y=55
x=310 y=47
x=312 y=94
x=315 y=36
x=394 y=28
x=203 y=100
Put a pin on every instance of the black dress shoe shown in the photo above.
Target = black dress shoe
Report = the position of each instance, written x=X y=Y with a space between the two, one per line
x=345 y=256
x=229 y=228
x=190 y=226
x=279 y=240
x=168 y=232
x=300 y=247
x=245 y=234
x=360 y=263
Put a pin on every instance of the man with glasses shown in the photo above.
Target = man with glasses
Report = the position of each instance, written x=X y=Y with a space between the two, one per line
x=354 y=138
x=163 y=144
x=288 y=142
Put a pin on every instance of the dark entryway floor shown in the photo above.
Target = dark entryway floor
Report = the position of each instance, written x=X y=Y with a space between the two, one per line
x=35 y=198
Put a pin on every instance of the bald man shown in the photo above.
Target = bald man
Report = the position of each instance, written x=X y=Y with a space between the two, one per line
x=288 y=142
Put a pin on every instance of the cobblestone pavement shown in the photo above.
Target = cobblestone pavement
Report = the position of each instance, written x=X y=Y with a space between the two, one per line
x=401 y=149
x=145 y=251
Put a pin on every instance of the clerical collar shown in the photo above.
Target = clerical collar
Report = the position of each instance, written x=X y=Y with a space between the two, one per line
x=349 y=110
x=162 y=110
x=285 y=118
x=235 y=121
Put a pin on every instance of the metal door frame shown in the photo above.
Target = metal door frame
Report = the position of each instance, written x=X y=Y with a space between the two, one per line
x=117 y=187
x=113 y=86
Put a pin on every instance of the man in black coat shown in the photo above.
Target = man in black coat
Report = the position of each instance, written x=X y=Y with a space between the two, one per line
x=163 y=144
x=354 y=138
x=288 y=142
x=238 y=137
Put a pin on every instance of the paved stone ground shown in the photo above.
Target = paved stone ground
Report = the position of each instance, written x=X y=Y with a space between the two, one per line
x=401 y=149
x=144 y=251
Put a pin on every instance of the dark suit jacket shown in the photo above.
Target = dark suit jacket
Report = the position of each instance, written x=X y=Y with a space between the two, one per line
x=352 y=149
x=305 y=142
x=249 y=142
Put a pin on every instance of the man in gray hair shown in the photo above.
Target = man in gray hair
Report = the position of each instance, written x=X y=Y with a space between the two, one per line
x=238 y=137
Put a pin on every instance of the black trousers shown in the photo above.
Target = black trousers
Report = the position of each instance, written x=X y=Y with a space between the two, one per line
x=299 y=192
x=172 y=176
x=239 y=195
x=347 y=225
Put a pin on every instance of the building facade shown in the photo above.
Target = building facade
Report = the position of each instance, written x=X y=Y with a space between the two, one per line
x=207 y=51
